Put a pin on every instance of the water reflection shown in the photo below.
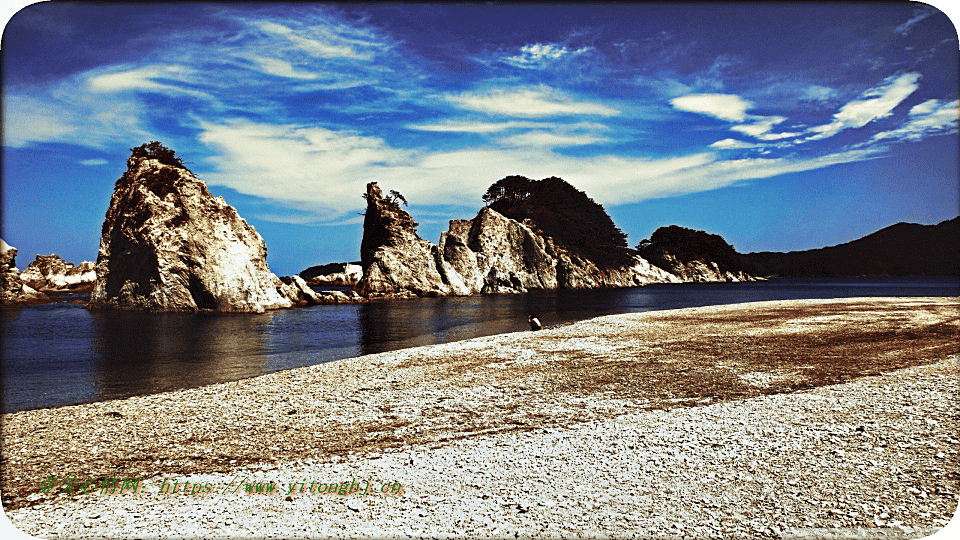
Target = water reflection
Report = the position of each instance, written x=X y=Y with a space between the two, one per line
x=141 y=353
x=60 y=354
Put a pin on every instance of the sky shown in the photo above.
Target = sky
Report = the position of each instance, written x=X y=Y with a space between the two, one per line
x=778 y=126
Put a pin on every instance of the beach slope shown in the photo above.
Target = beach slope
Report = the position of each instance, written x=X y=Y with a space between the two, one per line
x=762 y=419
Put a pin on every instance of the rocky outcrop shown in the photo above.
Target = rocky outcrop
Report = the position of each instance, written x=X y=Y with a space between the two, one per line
x=395 y=261
x=489 y=254
x=333 y=274
x=694 y=255
x=50 y=273
x=13 y=291
x=169 y=245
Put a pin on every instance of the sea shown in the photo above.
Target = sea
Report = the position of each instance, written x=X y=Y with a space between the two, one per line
x=61 y=354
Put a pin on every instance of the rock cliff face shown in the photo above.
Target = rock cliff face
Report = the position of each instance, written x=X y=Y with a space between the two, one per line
x=169 y=245
x=489 y=254
x=694 y=255
x=13 y=291
x=51 y=273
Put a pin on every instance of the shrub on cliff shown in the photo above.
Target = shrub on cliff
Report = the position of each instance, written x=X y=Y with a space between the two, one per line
x=155 y=150
x=562 y=211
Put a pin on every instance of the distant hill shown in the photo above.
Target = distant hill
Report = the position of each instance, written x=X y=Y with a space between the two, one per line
x=904 y=249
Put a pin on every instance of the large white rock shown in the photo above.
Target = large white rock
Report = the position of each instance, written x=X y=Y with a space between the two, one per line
x=169 y=245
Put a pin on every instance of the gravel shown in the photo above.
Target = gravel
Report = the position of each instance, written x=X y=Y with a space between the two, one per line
x=871 y=456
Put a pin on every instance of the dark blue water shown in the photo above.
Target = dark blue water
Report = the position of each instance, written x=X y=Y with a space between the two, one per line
x=60 y=354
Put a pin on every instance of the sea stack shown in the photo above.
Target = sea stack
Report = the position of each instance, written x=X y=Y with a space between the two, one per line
x=490 y=254
x=396 y=262
x=169 y=245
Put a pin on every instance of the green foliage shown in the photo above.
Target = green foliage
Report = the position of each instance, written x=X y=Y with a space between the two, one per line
x=689 y=245
x=395 y=196
x=155 y=150
x=562 y=211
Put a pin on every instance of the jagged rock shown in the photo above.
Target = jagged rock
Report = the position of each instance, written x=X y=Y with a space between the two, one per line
x=12 y=289
x=394 y=259
x=490 y=254
x=333 y=274
x=169 y=245
x=51 y=273
x=305 y=295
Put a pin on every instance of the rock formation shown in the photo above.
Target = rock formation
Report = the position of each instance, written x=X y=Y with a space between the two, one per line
x=694 y=255
x=12 y=289
x=169 y=245
x=333 y=274
x=51 y=273
x=488 y=254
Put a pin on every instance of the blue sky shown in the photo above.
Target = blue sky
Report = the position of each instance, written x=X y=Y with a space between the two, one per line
x=778 y=126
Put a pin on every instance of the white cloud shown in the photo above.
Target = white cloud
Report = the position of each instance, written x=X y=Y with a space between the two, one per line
x=871 y=105
x=281 y=68
x=733 y=144
x=68 y=113
x=322 y=172
x=816 y=92
x=323 y=41
x=143 y=79
x=94 y=162
x=551 y=140
x=466 y=126
x=538 y=56
x=723 y=106
x=760 y=128
x=927 y=118
x=29 y=119
x=528 y=103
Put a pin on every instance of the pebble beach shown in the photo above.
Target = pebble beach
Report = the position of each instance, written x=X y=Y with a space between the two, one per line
x=793 y=419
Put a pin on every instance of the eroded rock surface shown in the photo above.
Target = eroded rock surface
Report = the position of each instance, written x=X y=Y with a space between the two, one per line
x=333 y=274
x=169 y=245
x=489 y=254
x=51 y=273
x=12 y=289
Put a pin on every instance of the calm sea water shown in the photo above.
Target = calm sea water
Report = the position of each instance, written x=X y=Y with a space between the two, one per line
x=61 y=354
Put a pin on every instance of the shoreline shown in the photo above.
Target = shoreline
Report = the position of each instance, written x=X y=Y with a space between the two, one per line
x=458 y=402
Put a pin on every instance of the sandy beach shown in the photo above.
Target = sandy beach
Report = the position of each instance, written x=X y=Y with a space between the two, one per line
x=772 y=419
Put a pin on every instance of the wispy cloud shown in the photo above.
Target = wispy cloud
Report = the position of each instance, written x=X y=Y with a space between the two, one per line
x=546 y=139
x=761 y=126
x=723 y=106
x=281 y=68
x=533 y=102
x=323 y=172
x=94 y=162
x=470 y=126
x=324 y=41
x=928 y=118
x=541 y=56
x=918 y=15
x=144 y=79
x=734 y=144
x=873 y=104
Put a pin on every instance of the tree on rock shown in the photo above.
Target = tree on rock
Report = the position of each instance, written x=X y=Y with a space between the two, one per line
x=562 y=211
x=155 y=150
